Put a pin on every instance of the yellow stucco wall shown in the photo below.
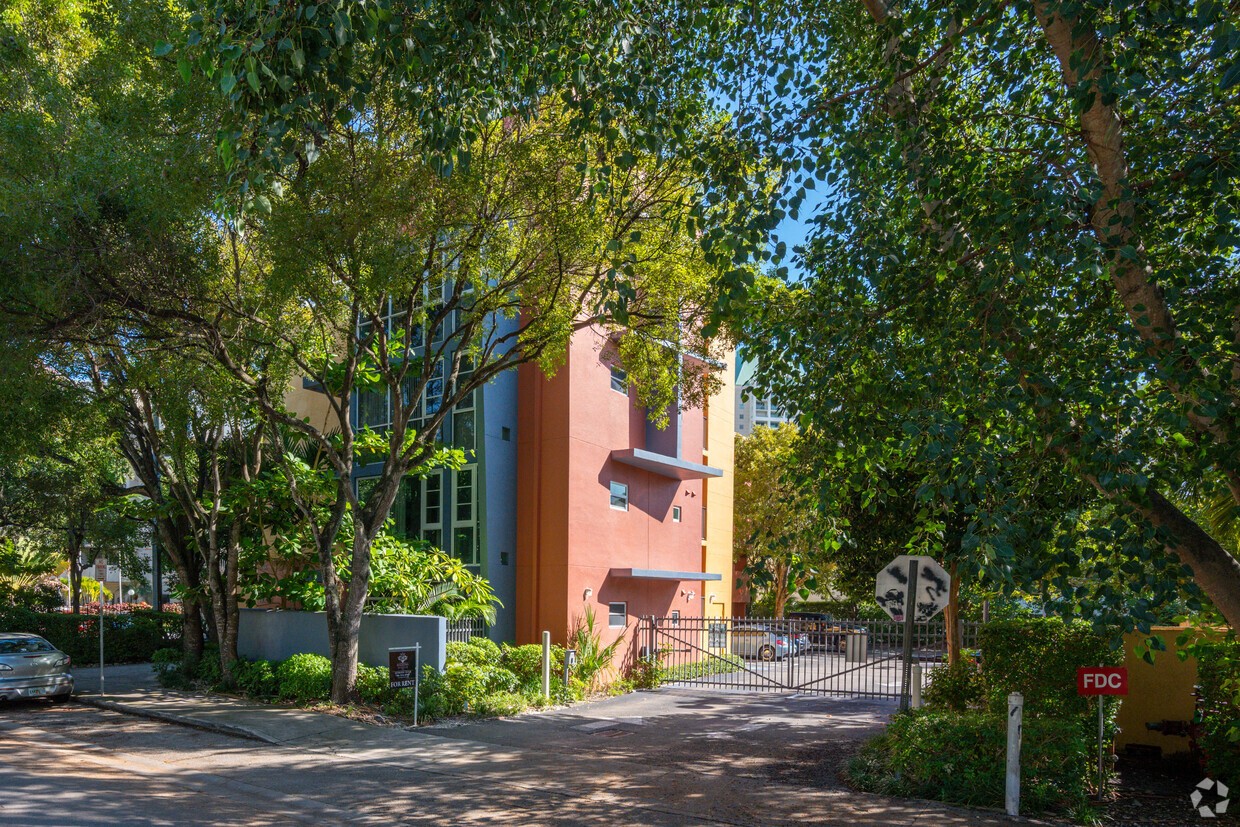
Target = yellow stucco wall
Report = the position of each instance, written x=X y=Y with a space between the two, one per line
x=1161 y=691
x=720 y=442
x=303 y=402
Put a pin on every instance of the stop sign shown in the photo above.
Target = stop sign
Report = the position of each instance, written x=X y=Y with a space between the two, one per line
x=1101 y=680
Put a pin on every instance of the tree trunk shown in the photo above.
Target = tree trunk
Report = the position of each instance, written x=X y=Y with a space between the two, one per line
x=75 y=571
x=781 y=588
x=191 y=634
x=349 y=623
x=951 y=619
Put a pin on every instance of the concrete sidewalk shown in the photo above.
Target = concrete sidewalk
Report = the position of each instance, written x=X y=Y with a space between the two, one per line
x=133 y=689
x=666 y=757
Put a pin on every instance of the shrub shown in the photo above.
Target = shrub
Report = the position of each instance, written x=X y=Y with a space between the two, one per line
x=700 y=668
x=1218 y=678
x=1038 y=657
x=479 y=651
x=372 y=685
x=168 y=668
x=959 y=758
x=498 y=704
x=957 y=687
x=257 y=678
x=305 y=677
x=132 y=637
x=526 y=662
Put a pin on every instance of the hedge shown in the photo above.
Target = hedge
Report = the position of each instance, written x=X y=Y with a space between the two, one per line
x=127 y=638
x=959 y=757
x=1038 y=657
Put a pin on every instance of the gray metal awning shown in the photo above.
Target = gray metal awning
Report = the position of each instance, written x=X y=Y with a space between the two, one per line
x=661 y=574
x=662 y=464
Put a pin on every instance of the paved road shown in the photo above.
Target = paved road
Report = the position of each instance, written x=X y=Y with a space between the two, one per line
x=659 y=758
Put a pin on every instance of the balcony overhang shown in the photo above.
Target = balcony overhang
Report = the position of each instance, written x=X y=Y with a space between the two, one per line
x=662 y=464
x=660 y=574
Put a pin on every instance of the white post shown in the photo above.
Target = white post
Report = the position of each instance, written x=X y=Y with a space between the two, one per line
x=1016 y=711
x=916 y=685
x=100 y=633
x=546 y=665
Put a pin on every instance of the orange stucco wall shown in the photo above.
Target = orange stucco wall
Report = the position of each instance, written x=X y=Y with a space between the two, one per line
x=569 y=538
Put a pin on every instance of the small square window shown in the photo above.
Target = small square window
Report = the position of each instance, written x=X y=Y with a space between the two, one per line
x=617 y=615
x=675 y=514
x=675 y=617
x=620 y=496
x=619 y=380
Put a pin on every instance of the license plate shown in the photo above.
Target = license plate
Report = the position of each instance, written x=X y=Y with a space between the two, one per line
x=37 y=691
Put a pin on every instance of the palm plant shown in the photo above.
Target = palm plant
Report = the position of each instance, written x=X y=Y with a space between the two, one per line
x=594 y=661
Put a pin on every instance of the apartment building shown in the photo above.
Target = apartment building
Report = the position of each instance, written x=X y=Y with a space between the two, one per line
x=572 y=498
x=753 y=408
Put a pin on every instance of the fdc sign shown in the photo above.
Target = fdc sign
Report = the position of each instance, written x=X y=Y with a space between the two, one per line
x=1101 y=680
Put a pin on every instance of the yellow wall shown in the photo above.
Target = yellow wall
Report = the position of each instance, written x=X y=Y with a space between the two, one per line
x=303 y=402
x=717 y=549
x=1162 y=691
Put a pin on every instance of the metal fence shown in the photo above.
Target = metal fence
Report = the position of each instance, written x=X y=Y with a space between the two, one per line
x=460 y=631
x=861 y=658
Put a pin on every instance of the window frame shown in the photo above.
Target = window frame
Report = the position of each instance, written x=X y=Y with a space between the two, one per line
x=619 y=379
x=676 y=515
x=612 y=485
x=623 y=614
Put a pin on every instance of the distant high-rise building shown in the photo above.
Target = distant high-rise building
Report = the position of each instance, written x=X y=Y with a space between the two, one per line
x=752 y=408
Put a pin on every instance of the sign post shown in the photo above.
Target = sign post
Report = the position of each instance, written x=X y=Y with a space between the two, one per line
x=911 y=588
x=403 y=671
x=1101 y=680
x=1015 y=731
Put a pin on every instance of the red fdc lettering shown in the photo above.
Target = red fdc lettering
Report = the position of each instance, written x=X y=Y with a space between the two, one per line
x=1102 y=680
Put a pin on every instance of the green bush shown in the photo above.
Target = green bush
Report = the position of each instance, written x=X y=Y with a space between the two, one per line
x=500 y=704
x=305 y=677
x=1038 y=657
x=957 y=687
x=959 y=758
x=257 y=678
x=1218 y=678
x=526 y=662
x=372 y=685
x=701 y=668
x=131 y=637
x=477 y=651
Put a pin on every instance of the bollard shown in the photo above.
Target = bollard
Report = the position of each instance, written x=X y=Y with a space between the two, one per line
x=916 y=685
x=1016 y=707
x=546 y=666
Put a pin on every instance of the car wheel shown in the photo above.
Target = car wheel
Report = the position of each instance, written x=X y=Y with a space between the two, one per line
x=766 y=653
x=60 y=699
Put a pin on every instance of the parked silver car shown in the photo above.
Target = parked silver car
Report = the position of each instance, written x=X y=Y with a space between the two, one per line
x=760 y=643
x=30 y=667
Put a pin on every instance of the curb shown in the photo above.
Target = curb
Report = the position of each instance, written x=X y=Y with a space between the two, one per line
x=173 y=718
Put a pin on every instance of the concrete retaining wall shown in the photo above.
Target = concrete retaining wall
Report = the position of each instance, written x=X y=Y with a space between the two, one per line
x=276 y=634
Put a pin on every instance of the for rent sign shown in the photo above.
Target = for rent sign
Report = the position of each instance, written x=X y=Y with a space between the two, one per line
x=1101 y=680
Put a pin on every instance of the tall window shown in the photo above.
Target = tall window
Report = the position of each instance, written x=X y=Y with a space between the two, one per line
x=619 y=496
x=619 y=380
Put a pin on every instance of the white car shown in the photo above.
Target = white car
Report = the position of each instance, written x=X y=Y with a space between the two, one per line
x=30 y=667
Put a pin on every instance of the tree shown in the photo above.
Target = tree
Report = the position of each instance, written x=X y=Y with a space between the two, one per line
x=381 y=281
x=1051 y=190
x=779 y=534
x=107 y=183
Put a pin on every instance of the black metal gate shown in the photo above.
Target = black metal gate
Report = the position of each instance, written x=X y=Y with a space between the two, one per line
x=860 y=658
